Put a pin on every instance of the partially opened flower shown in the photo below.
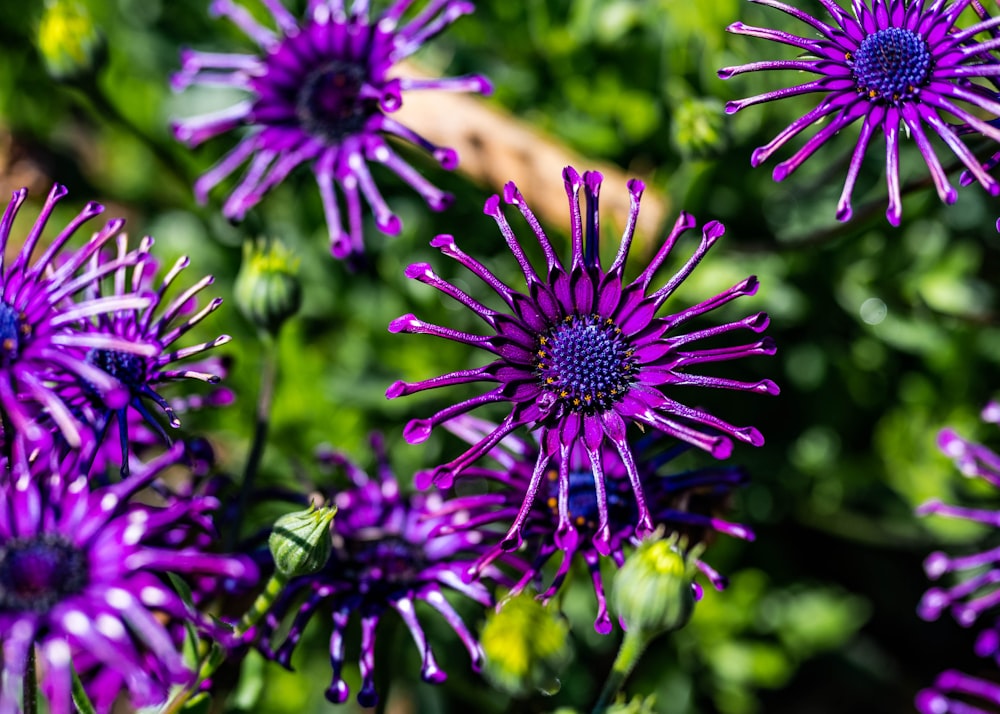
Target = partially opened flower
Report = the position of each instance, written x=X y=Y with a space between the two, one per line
x=42 y=339
x=582 y=353
x=683 y=503
x=895 y=66
x=144 y=357
x=320 y=93
x=80 y=580
x=383 y=558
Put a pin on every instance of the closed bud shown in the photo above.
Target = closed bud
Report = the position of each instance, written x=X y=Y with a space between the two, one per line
x=300 y=542
x=526 y=646
x=652 y=591
x=68 y=40
x=267 y=287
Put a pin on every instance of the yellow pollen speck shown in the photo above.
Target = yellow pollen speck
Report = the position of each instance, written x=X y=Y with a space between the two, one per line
x=848 y=56
x=543 y=340
x=580 y=520
x=552 y=475
x=551 y=502
x=564 y=393
x=548 y=380
x=872 y=93
x=587 y=398
x=540 y=353
x=576 y=402
x=8 y=344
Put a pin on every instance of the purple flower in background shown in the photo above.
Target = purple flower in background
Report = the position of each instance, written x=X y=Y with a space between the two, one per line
x=582 y=353
x=79 y=580
x=152 y=330
x=979 y=591
x=681 y=502
x=893 y=64
x=319 y=93
x=383 y=558
x=42 y=342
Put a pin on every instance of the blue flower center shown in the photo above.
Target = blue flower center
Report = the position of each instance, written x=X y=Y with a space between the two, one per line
x=37 y=573
x=586 y=362
x=891 y=65
x=329 y=104
x=129 y=369
x=13 y=329
x=582 y=503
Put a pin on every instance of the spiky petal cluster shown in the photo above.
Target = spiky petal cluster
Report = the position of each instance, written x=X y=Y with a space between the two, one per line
x=320 y=93
x=151 y=331
x=383 y=558
x=892 y=65
x=80 y=580
x=682 y=503
x=582 y=353
x=979 y=591
x=44 y=311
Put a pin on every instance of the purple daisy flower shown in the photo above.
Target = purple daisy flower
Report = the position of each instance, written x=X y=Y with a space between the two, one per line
x=383 y=558
x=681 y=502
x=42 y=343
x=582 y=353
x=79 y=581
x=153 y=330
x=319 y=93
x=942 y=698
x=893 y=64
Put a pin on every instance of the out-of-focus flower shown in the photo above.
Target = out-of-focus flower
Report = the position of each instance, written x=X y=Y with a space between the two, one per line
x=141 y=353
x=267 y=287
x=684 y=503
x=68 y=40
x=320 y=93
x=978 y=592
x=383 y=558
x=582 y=353
x=526 y=645
x=44 y=341
x=80 y=580
x=893 y=66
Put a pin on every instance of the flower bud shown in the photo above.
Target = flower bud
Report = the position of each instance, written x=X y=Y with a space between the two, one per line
x=267 y=287
x=68 y=41
x=636 y=705
x=652 y=591
x=300 y=542
x=526 y=646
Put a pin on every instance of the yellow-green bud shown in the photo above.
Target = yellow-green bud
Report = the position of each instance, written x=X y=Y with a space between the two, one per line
x=300 y=542
x=526 y=646
x=267 y=287
x=67 y=39
x=652 y=591
x=698 y=126
x=637 y=705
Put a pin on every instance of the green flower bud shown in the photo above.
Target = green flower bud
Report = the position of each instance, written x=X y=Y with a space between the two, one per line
x=526 y=646
x=68 y=41
x=652 y=591
x=300 y=542
x=637 y=705
x=267 y=287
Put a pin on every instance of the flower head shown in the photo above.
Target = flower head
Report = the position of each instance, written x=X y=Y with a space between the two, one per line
x=582 y=352
x=682 y=503
x=319 y=92
x=383 y=558
x=892 y=64
x=80 y=580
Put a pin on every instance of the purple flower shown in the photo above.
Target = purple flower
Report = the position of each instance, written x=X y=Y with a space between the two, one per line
x=940 y=698
x=582 y=353
x=383 y=558
x=150 y=333
x=43 y=341
x=893 y=64
x=319 y=93
x=80 y=580
x=680 y=502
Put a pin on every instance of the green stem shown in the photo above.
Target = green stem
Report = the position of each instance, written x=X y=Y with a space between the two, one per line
x=633 y=645
x=30 y=684
x=80 y=698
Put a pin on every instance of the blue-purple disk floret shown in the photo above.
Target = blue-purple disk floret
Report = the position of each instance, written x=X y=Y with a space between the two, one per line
x=582 y=353
x=892 y=65
x=384 y=558
x=81 y=579
x=977 y=592
x=319 y=94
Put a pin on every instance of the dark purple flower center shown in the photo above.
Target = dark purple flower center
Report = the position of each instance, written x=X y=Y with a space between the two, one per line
x=129 y=369
x=13 y=329
x=586 y=362
x=891 y=64
x=379 y=564
x=329 y=104
x=582 y=503
x=37 y=573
